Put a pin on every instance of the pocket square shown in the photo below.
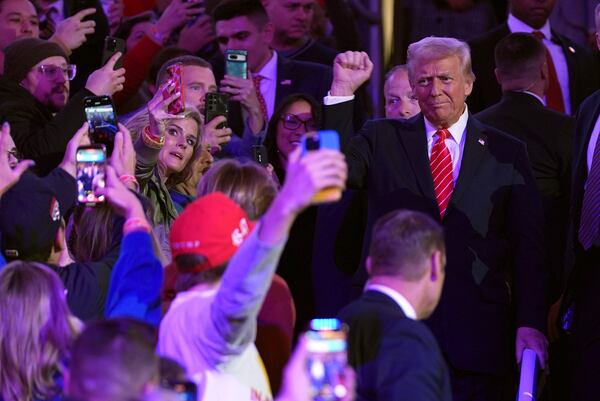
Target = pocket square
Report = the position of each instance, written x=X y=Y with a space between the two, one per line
x=286 y=82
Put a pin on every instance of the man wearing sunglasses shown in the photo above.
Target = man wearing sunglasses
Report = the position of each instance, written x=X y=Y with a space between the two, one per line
x=34 y=98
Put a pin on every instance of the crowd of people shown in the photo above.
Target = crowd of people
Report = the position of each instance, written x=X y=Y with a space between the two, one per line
x=186 y=258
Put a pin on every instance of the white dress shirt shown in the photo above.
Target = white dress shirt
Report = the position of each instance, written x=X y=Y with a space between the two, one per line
x=402 y=302
x=455 y=142
x=268 y=85
x=556 y=52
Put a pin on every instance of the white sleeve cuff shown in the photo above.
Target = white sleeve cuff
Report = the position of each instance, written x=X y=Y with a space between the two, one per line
x=331 y=100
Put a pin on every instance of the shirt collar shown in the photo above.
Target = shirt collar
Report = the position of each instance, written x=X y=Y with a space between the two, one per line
x=457 y=130
x=535 y=96
x=402 y=302
x=516 y=25
x=269 y=70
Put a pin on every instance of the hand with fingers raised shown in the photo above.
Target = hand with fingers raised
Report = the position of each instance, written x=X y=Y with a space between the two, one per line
x=72 y=32
x=81 y=138
x=9 y=176
x=106 y=80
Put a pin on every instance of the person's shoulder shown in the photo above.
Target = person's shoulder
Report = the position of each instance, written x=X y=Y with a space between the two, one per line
x=494 y=136
x=590 y=103
x=304 y=67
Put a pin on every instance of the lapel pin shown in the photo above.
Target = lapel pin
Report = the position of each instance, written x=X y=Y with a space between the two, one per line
x=481 y=141
x=286 y=82
x=571 y=49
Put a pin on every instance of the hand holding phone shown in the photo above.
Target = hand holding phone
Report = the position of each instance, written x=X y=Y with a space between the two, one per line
x=111 y=46
x=102 y=121
x=215 y=104
x=322 y=140
x=91 y=171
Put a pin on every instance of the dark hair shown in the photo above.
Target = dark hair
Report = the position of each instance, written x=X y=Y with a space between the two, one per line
x=128 y=23
x=113 y=360
x=184 y=60
x=90 y=232
x=229 y=9
x=519 y=56
x=271 y=136
x=186 y=279
x=402 y=240
x=163 y=56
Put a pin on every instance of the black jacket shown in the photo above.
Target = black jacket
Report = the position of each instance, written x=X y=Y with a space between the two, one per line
x=37 y=133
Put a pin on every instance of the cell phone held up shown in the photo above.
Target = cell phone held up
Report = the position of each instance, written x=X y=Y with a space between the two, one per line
x=326 y=347
x=236 y=63
x=112 y=46
x=327 y=139
x=91 y=171
x=102 y=121
x=174 y=75
x=215 y=104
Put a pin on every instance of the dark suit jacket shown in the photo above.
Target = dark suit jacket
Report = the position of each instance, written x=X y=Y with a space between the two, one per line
x=549 y=137
x=583 y=69
x=493 y=229
x=292 y=77
x=396 y=358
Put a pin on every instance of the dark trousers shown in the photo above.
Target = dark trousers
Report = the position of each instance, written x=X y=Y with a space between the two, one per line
x=584 y=340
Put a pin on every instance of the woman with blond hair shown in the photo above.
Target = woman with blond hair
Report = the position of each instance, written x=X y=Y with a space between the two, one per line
x=36 y=332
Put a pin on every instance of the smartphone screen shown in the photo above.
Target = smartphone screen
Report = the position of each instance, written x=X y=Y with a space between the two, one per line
x=91 y=166
x=327 y=359
x=174 y=74
x=236 y=63
x=102 y=121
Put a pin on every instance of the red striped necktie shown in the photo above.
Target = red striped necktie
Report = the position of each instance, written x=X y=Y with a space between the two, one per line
x=261 y=99
x=441 y=170
x=589 y=228
x=554 y=96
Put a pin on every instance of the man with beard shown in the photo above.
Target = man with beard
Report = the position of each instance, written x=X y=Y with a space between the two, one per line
x=34 y=98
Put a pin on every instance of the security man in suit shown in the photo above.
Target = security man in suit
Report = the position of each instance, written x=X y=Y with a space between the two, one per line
x=477 y=182
x=395 y=355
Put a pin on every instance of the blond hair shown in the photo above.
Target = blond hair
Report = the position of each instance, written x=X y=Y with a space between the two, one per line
x=434 y=48
x=36 y=331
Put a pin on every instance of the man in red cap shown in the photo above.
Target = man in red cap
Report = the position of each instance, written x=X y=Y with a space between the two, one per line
x=221 y=284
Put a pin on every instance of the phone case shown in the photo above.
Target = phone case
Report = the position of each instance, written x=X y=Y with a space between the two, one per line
x=215 y=104
x=176 y=106
x=236 y=63
x=111 y=46
x=327 y=139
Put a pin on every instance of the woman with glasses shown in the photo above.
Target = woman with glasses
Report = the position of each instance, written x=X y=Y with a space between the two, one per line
x=297 y=115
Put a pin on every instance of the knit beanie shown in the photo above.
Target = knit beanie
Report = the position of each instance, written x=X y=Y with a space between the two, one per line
x=21 y=55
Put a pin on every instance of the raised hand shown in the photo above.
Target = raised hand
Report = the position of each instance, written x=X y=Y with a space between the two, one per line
x=72 y=32
x=107 y=81
x=243 y=91
x=123 y=155
x=528 y=337
x=350 y=70
x=81 y=138
x=9 y=176
x=214 y=137
x=158 y=107
x=177 y=13
x=122 y=200
x=194 y=37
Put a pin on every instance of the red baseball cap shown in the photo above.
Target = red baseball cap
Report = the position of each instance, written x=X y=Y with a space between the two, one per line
x=213 y=226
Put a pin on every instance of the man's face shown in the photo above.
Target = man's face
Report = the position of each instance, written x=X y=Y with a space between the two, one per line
x=197 y=81
x=291 y=18
x=534 y=13
x=48 y=82
x=137 y=33
x=441 y=89
x=18 y=19
x=400 y=103
x=240 y=33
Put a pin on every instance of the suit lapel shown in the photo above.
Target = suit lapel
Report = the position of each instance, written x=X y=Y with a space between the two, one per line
x=581 y=153
x=284 y=84
x=414 y=140
x=475 y=149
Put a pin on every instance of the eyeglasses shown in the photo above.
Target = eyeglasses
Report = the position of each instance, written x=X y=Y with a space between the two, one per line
x=291 y=121
x=51 y=71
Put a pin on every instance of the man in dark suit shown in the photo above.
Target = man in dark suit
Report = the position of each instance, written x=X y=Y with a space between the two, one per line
x=575 y=70
x=582 y=298
x=522 y=71
x=244 y=25
x=477 y=182
x=395 y=355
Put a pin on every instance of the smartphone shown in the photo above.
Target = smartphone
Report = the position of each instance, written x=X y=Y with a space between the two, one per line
x=102 y=121
x=111 y=46
x=174 y=75
x=327 y=359
x=185 y=390
x=327 y=139
x=79 y=5
x=91 y=169
x=236 y=63
x=259 y=153
x=215 y=104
